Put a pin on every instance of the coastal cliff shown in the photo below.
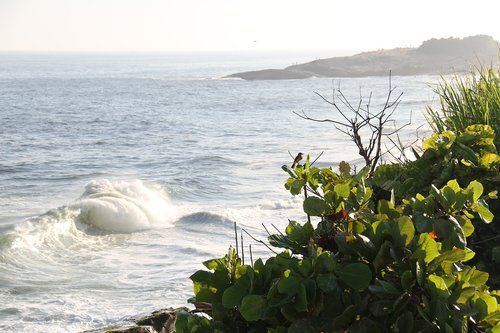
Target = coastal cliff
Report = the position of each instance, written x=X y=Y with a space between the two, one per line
x=434 y=56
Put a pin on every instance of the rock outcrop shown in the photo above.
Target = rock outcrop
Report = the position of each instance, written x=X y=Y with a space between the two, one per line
x=161 y=321
x=434 y=56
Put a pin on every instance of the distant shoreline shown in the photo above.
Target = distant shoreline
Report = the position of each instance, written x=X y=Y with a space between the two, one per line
x=433 y=57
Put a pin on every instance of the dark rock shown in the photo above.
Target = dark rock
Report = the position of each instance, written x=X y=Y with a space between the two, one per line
x=133 y=329
x=273 y=74
x=161 y=321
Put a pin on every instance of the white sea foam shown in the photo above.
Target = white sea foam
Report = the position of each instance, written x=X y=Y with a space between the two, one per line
x=124 y=206
x=116 y=207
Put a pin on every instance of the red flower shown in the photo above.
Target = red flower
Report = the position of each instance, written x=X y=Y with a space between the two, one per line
x=433 y=233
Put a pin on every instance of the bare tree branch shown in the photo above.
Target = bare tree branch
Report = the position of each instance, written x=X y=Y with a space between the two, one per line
x=358 y=118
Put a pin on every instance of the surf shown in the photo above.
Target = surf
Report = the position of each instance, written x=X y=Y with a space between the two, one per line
x=124 y=206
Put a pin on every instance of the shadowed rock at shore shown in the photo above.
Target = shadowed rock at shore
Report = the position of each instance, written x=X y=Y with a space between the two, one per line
x=434 y=56
x=161 y=321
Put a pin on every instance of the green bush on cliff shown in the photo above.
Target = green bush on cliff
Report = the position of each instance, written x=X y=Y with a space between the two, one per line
x=366 y=266
x=468 y=100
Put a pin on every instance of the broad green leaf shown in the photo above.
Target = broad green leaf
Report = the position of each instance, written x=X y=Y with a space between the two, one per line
x=297 y=185
x=327 y=282
x=423 y=223
x=345 y=317
x=315 y=206
x=485 y=304
x=441 y=312
x=466 y=225
x=485 y=214
x=489 y=160
x=426 y=248
x=405 y=230
x=465 y=152
x=438 y=286
x=206 y=294
x=458 y=236
x=461 y=198
x=356 y=276
x=407 y=280
x=478 y=278
x=453 y=184
x=419 y=272
x=342 y=190
x=201 y=276
x=233 y=295
x=290 y=172
x=430 y=143
x=476 y=188
x=454 y=255
x=289 y=284
x=384 y=289
x=324 y=263
x=299 y=233
x=216 y=264
x=252 y=307
x=440 y=197
x=301 y=299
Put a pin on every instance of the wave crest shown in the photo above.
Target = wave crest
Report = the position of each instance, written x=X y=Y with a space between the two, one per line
x=124 y=206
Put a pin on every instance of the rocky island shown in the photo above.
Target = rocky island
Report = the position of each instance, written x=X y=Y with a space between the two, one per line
x=434 y=56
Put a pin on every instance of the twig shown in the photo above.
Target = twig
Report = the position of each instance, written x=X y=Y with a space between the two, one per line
x=317 y=158
x=259 y=241
x=236 y=237
x=242 y=250
x=251 y=255
x=278 y=230
x=486 y=240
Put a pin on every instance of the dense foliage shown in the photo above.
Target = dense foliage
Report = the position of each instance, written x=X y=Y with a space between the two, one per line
x=410 y=247
x=385 y=268
x=468 y=100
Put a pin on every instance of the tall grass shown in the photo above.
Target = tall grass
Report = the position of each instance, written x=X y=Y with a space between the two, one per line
x=468 y=100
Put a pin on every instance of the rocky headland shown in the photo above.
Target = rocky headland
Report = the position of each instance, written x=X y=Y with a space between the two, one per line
x=434 y=56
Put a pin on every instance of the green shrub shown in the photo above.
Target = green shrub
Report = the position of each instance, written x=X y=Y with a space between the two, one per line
x=466 y=156
x=398 y=250
x=465 y=101
x=365 y=267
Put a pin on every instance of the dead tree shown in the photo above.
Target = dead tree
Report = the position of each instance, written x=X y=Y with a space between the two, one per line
x=357 y=118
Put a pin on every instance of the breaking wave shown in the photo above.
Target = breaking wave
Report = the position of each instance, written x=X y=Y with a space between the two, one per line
x=124 y=206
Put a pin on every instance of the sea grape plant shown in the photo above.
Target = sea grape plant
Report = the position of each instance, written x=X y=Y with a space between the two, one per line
x=359 y=265
x=466 y=156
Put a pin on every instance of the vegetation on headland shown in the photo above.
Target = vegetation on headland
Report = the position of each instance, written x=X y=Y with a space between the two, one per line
x=434 y=56
x=409 y=247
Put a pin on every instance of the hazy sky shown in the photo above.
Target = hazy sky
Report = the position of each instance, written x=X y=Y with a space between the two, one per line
x=237 y=25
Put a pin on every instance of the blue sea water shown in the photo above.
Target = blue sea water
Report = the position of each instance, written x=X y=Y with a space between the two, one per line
x=120 y=173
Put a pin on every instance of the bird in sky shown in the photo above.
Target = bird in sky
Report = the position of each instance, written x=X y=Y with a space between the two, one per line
x=297 y=160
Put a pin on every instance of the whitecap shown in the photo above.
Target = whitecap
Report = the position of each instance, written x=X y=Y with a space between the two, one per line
x=124 y=206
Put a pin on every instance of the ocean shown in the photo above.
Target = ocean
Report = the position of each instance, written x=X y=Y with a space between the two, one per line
x=121 y=173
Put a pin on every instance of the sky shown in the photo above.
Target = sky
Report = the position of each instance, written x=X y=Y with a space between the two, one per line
x=237 y=25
